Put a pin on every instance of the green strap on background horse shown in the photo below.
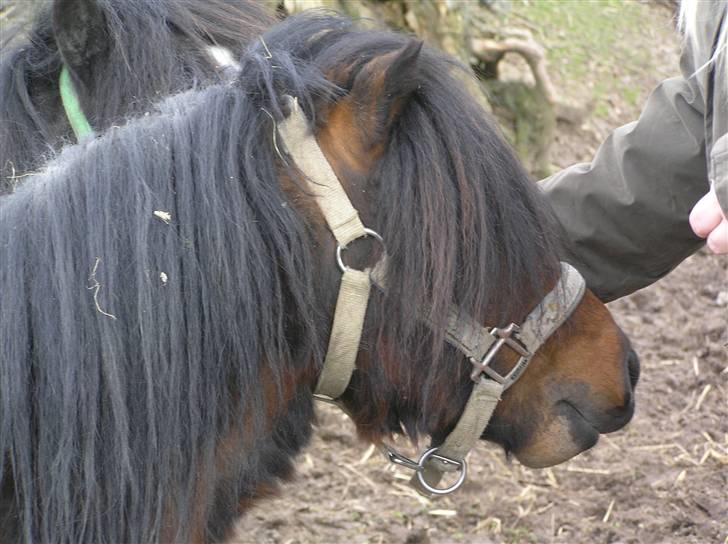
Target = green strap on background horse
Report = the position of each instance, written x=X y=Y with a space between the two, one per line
x=72 y=106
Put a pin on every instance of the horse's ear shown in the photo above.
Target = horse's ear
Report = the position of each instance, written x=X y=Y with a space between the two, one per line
x=79 y=27
x=388 y=82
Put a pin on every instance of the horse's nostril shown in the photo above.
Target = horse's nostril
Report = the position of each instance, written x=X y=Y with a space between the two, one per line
x=633 y=367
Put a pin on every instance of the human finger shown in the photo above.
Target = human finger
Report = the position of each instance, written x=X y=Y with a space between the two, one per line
x=718 y=238
x=706 y=215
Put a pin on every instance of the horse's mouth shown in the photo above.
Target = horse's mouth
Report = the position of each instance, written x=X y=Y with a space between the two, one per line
x=581 y=428
x=575 y=412
x=562 y=437
x=571 y=430
x=604 y=422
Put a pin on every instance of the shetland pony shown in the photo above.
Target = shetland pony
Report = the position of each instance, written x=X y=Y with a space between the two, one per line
x=167 y=290
x=122 y=56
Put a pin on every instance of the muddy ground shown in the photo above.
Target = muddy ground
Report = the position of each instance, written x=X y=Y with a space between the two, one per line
x=662 y=479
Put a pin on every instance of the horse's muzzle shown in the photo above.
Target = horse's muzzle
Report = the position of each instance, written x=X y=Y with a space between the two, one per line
x=617 y=416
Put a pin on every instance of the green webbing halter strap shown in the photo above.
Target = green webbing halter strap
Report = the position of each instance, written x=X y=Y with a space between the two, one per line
x=72 y=106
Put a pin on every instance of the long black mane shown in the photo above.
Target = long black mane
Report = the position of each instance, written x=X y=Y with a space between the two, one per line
x=159 y=292
x=154 y=48
x=130 y=345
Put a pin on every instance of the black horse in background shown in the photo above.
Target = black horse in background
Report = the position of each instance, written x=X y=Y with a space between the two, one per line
x=167 y=291
x=122 y=55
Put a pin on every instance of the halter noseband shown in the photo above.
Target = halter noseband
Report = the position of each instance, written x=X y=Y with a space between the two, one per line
x=479 y=344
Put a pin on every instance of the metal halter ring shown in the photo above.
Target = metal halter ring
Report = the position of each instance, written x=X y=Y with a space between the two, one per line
x=462 y=465
x=340 y=249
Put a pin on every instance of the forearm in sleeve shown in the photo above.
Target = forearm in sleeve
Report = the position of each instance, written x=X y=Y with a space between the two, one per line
x=625 y=215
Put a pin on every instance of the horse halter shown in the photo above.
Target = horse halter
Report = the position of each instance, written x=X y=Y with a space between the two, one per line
x=479 y=344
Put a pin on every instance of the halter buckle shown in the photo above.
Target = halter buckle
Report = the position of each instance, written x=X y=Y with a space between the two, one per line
x=505 y=337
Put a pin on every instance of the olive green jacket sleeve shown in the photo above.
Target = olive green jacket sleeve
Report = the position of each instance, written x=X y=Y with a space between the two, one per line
x=625 y=215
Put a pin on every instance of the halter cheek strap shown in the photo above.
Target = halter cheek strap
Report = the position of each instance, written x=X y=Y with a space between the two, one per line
x=479 y=344
x=72 y=106
x=346 y=226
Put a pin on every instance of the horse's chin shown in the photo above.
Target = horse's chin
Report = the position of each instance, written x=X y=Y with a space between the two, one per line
x=566 y=435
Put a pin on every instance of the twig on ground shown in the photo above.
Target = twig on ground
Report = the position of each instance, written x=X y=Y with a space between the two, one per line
x=608 y=513
x=702 y=396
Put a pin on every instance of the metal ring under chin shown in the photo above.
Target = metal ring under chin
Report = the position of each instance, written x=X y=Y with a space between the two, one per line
x=340 y=249
x=432 y=452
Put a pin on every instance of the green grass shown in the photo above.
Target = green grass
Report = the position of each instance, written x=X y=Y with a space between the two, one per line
x=586 y=39
x=518 y=535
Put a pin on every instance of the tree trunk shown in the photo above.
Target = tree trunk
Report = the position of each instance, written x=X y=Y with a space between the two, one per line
x=471 y=32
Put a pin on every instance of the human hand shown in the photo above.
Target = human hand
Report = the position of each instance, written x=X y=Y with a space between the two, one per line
x=708 y=221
